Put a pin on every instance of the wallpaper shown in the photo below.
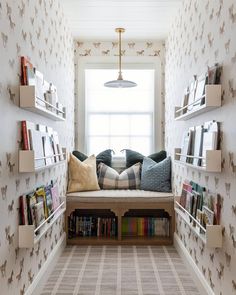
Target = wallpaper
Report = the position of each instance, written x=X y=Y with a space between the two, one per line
x=37 y=29
x=130 y=48
x=202 y=34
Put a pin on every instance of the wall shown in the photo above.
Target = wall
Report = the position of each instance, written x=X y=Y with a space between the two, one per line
x=39 y=30
x=106 y=52
x=204 y=33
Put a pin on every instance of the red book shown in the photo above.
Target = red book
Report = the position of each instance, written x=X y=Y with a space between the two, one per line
x=25 y=63
x=25 y=136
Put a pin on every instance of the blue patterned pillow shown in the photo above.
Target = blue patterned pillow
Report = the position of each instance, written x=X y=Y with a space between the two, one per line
x=156 y=176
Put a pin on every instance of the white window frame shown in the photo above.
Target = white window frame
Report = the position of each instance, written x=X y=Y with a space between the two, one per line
x=94 y=62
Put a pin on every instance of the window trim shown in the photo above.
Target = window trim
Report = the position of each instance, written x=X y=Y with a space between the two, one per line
x=130 y=62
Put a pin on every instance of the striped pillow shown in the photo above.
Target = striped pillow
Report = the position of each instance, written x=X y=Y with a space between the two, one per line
x=109 y=178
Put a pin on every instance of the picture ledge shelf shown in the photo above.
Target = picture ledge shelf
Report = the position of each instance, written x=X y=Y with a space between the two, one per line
x=212 y=234
x=212 y=101
x=27 y=233
x=27 y=161
x=30 y=102
x=213 y=160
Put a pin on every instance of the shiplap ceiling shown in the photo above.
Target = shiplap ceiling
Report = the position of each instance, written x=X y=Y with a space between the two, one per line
x=97 y=19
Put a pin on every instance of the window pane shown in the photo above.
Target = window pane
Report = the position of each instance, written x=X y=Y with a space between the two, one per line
x=119 y=125
x=141 y=144
x=141 y=125
x=97 y=144
x=98 y=125
x=119 y=143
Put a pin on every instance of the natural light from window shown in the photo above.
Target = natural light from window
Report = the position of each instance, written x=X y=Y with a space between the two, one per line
x=119 y=118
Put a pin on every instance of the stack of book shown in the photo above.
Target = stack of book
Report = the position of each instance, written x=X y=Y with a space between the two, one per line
x=202 y=204
x=145 y=226
x=197 y=140
x=91 y=226
x=44 y=141
x=38 y=205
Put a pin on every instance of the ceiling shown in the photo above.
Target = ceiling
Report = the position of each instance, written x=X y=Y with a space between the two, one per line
x=97 y=19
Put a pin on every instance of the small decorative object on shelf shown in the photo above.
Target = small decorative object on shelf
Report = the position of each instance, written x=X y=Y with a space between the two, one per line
x=211 y=235
x=40 y=148
x=37 y=95
x=38 y=211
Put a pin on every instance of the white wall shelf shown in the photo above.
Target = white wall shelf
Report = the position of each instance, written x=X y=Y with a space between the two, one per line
x=211 y=235
x=30 y=102
x=27 y=233
x=27 y=161
x=212 y=160
x=212 y=101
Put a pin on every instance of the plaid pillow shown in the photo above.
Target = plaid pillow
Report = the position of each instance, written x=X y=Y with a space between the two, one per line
x=109 y=178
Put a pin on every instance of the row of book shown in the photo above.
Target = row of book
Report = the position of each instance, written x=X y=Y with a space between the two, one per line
x=145 y=226
x=203 y=205
x=90 y=226
x=38 y=205
x=46 y=93
x=194 y=94
x=198 y=140
x=44 y=141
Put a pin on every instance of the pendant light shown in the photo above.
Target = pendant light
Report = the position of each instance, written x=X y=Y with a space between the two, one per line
x=120 y=82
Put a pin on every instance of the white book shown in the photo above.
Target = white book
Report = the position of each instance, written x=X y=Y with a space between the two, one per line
x=48 y=151
x=36 y=144
x=198 y=145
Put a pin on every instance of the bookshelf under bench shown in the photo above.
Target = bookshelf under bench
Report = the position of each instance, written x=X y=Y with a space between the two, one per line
x=118 y=209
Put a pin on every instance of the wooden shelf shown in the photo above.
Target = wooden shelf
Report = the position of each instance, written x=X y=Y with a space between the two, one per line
x=30 y=102
x=123 y=241
x=27 y=233
x=27 y=161
x=213 y=160
x=212 y=101
x=212 y=234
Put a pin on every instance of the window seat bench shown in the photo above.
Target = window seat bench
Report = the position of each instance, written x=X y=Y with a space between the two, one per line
x=120 y=203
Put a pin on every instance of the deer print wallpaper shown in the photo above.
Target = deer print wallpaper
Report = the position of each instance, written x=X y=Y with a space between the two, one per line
x=36 y=29
x=202 y=34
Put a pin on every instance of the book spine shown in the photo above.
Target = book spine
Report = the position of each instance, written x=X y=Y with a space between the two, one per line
x=25 y=135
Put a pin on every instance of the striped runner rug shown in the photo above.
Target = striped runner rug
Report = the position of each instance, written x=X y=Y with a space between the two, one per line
x=120 y=270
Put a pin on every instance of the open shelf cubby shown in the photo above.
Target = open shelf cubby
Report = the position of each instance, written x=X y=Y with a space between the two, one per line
x=27 y=161
x=212 y=100
x=29 y=235
x=212 y=160
x=30 y=102
x=211 y=235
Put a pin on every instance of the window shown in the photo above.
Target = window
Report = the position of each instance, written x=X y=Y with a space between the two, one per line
x=119 y=118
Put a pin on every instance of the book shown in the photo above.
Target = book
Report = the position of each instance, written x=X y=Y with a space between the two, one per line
x=185 y=146
x=200 y=91
x=25 y=64
x=31 y=202
x=198 y=137
x=184 y=101
x=49 y=201
x=186 y=187
x=41 y=197
x=23 y=215
x=39 y=88
x=56 y=143
x=208 y=216
x=47 y=149
x=25 y=127
x=30 y=75
x=192 y=91
x=55 y=197
x=36 y=144
x=39 y=214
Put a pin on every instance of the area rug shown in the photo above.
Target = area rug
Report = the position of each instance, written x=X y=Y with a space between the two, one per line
x=120 y=270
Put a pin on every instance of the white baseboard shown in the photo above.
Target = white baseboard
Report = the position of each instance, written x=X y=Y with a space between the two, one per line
x=36 y=287
x=198 y=277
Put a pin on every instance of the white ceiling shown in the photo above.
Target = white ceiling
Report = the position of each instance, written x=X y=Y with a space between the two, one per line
x=97 y=19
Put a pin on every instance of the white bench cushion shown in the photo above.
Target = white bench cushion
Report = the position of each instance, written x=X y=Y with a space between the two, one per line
x=120 y=196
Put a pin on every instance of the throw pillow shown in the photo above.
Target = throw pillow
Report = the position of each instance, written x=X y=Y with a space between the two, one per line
x=82 y=175
x=133 y=157
x=104 y=157
x=156 y=176
x=109 y=178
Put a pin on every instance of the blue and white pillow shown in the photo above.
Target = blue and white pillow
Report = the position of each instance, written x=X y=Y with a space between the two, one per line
x=156 y=176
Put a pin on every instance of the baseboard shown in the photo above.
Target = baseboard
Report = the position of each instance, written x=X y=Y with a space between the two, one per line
x=198 y=277
x=42 y=276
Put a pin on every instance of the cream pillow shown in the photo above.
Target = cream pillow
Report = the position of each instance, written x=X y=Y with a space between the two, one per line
x=82 y=175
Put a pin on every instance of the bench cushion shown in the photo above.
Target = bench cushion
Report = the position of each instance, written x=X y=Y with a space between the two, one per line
x=120 y=196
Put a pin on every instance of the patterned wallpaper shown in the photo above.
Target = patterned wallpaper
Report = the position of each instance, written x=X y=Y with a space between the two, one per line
x=150 y=48
x=39 y=30
x=202 y=34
